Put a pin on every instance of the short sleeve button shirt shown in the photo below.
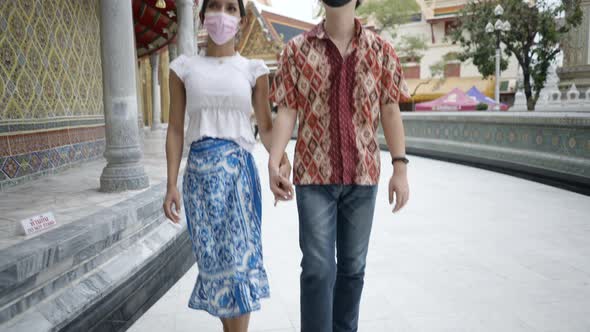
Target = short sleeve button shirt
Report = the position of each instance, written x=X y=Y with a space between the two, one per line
x=338 y=101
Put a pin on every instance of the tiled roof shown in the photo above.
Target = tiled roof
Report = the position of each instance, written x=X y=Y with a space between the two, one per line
x=284 y=28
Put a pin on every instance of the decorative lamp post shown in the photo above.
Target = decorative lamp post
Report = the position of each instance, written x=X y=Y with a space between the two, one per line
x=497 y=29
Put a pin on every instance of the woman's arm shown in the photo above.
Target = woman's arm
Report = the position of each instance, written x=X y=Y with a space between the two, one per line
x=260 y=102
x=262 y=110
x=280 y=185
x=174 y=145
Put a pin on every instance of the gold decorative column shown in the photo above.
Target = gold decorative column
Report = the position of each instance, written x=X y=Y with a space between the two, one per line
x=164 y=82
x=146 y=84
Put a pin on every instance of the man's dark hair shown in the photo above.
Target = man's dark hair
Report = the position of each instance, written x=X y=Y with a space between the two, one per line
x=240 y=3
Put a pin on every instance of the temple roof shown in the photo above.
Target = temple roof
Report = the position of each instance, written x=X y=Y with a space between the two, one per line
x=283 y=28
x=154 y=27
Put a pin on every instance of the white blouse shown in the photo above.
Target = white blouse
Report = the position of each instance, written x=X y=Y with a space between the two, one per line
x=219 y=96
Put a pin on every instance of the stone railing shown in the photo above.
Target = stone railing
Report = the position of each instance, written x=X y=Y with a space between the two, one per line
x=551 y=147
x=552 y=99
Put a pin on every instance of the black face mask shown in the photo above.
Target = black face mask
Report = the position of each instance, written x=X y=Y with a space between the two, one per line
x=336 y=3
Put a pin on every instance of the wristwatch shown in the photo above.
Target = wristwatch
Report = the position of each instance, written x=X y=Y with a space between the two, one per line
x=402 y=159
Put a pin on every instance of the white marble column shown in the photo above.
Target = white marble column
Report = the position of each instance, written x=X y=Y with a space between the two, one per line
x=124 y=170
x=185 y=39
x=186 y=28
x=576 y=53
x=172 y=51
x=156 y=104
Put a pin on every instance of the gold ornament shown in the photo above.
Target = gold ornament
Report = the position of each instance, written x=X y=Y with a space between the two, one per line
x=161 y=4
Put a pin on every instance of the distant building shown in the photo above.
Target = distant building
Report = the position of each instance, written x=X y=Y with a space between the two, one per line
x=435 y=23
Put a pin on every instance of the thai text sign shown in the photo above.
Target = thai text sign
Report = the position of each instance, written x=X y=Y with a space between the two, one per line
x=38 y=223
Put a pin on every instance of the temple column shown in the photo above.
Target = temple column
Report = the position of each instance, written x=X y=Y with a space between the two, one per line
x=164 y=84
x=576 y=53
x=172 y=51
x=124 y=170
x=156 y=104
x=186 y=28
x=146 y=76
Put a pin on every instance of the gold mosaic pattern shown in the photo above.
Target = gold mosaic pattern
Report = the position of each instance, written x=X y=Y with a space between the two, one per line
x=49 y=59
x=256 y=46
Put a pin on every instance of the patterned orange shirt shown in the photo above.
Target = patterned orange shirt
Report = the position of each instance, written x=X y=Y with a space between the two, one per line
x=338 y=102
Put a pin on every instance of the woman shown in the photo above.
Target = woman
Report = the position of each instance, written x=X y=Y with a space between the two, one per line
x=221 y=189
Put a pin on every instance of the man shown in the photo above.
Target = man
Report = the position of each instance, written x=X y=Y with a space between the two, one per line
x=339 y=79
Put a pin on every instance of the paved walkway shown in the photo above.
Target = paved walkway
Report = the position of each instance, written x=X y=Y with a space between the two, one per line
x=473 y=251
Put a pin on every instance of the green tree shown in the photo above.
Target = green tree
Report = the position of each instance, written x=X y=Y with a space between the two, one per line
x=319 y=9
x=411 y=48
x=389 y=13
x=437 y=72
x=536 y=31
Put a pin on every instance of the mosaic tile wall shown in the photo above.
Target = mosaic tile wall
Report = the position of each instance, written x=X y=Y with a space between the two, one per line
x=51 y=112
x=559 y=143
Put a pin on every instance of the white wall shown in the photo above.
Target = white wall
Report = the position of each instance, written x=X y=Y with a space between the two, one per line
x=441 y=47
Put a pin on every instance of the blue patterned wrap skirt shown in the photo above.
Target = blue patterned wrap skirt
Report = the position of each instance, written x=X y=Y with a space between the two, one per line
x=222 y=200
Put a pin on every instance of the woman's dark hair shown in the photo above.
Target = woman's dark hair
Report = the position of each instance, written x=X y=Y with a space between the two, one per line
x=206 y=3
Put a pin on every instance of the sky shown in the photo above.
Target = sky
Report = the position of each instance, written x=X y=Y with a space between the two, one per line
x=299 y=9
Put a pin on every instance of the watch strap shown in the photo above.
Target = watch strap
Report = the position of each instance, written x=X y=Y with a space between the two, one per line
x=402 y=159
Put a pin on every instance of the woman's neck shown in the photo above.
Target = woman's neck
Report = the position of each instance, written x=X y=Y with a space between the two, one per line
x=219 y=51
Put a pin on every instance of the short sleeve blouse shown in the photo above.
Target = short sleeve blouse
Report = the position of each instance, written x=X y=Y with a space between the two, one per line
x=219 y=96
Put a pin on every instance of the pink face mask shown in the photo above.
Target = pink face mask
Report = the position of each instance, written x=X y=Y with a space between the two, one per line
x=221 y=27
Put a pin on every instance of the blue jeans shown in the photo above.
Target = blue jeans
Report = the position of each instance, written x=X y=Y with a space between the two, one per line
x=334 y=229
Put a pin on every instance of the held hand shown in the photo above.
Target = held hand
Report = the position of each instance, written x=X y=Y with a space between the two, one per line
x=399 y=190
x=280 y=185
x=285 y=168
x=285 y=173
x=172 y=205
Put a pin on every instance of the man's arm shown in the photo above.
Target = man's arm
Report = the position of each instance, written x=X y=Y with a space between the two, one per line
x=284 y=93
x=281 y=134
x=393 y=129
